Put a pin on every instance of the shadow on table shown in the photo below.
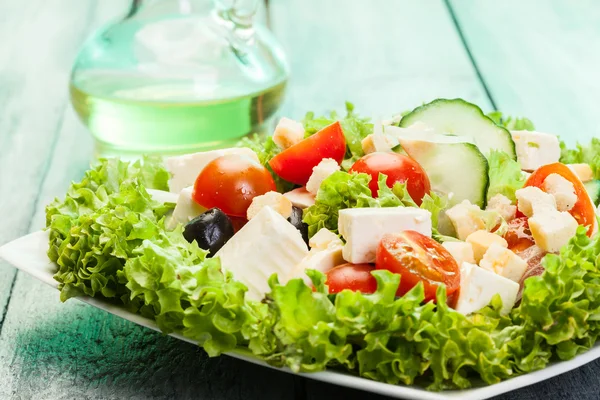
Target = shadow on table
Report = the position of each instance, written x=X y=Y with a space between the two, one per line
x=83 y=352
x=87 y=353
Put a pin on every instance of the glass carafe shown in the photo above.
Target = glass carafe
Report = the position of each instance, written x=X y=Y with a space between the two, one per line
x=178 y=76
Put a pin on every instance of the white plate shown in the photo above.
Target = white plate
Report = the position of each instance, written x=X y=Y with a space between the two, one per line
x=29 y=255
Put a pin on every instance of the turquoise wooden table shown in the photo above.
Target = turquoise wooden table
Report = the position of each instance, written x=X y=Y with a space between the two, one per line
x=538 y=59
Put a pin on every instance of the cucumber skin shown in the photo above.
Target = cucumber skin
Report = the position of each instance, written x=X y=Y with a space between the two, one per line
x=406 y=120
x=482 y=202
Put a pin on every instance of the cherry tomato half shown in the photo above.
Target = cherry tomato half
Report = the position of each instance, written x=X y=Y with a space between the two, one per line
x=583 y=210
x=295 y=164
x=355 y=277
x=230 y=183
x=518 y=236
x=398 y=168
x=418 y=258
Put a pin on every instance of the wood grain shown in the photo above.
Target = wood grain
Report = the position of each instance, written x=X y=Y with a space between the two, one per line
x=539 y=60
x=386 y=56
x=39 y=39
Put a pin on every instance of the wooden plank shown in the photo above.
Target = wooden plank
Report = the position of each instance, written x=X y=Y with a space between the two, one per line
x=53 y=350
x=539 y=61
x=386 y=56
x=38 y=45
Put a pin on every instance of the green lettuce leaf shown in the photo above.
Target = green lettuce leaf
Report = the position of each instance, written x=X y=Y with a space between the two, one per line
x=589 y=154
x=505 y=175
x=108 y=239
x=102 y=219
x=510 y=123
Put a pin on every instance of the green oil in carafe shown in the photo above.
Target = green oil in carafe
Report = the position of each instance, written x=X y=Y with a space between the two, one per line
x=173 y=85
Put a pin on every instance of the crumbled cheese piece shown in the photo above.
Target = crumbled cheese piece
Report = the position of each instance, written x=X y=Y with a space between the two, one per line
x=552 y=229
x=535 y=149
x=275 y=200
x=478 y=286
x=461 y=251
x=503 y=206
x=503 y=262
x=562 y=190
x=465 y=219
x=481 y=242
x=288 y=132
x=185 y=210
x=323 y=238
x=300 y=197
x=583 y=171
x=532 y=199
x=320 y=259
x=379 y=142
x=326 y=167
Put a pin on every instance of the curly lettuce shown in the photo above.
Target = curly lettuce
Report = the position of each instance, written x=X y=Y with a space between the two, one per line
x=511 y=123
x=505 y=175
x=589 y=154
x=108 y=239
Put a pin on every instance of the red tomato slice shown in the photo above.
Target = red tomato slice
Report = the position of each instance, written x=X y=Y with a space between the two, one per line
x=230 y=183
x=583 y=210
x=418 y=258
x=295 y=164
x=355 y=277
x=398 y=168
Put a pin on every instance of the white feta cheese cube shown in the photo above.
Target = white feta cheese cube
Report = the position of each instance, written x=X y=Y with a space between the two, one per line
x=274 y=200
x=552 y=229
x=267 y=244
x=185 y=169
x=288 y=132
x=379 y=142
x=323 y=238
x=532 y=199
x=300 y=197
x=465 y=219
x=461 y=251
x=478 y=286
x=583 y=171
x=503 y=206
x=185 y=210
x=535 y=149
x=321 y=260
x=326 y=167
x=504 y=262
x=481 y=242
x=363 y=228
x=162 y=196
x=562 y=190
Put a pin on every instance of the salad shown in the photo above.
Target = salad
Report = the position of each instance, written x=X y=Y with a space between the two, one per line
x=443 y=247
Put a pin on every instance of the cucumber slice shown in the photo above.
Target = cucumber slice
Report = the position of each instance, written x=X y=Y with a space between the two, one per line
x=593 y=189
x=461 y=118
x=455 y=167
